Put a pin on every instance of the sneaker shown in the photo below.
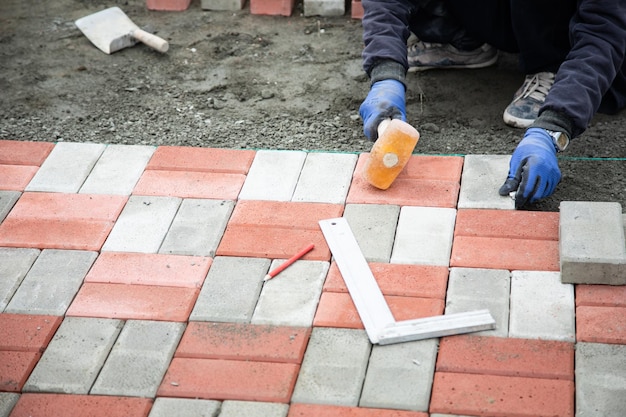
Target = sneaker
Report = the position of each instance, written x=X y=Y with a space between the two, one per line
x=425 y=55
x=524 y=108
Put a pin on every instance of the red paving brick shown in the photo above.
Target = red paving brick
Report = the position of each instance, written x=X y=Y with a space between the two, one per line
x=601 y=324
x=15 y=367
x=506 y=357
x=489 y=395
x=284 y=215
x=601 y=295
x=500 y=253
x=221 y=379
x=27 y=332
x=272 y=7
x=179 y=158
x=512 y=224
x=244 y=342
x=315 y=410
x=64 y=405
x=16 y=177
x=139 y=302
x=149 y=269
x=356 y=10
x=188 y=184
x=14 y=152
x=396 y=279
x=337 y=309
x=168 y=5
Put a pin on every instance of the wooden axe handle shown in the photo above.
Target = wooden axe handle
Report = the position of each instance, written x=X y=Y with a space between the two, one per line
x=151 y=40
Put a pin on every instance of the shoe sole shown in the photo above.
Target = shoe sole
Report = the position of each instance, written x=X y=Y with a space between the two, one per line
x=465 y=66
x=516 y=121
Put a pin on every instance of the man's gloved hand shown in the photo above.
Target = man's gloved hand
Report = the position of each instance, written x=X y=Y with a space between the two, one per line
x=534 y=170
x=385 y=100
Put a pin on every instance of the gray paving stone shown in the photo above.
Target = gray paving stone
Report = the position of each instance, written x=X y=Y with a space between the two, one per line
x=541 y=307
x=7 y=201
x=142 y=225
x=325 y=178
x=139 y=359
x=74 y=356
x=197 y=227
x=400 y=376
x=231 y=5
x=52 y=282
x=324 y=7
x=291 y=298
x=481 y=178
x=424 y=236
x=273 y=175
x=374 y=227
x=66 y=167
x=600 y=380
x=7 y=402
x=118 y=170
x=592 y=243
x=253 y=409
x=183 y=407
x=471 y=289
x=231 y=290
x=14 y=265
x=333 y=369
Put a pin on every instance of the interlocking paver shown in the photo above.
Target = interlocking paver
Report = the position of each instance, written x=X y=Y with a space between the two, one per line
x=189 y=184
x=197 y=227
x=324 y=7
x=333 y=369
x=400 y=376
x=7 y=201
x=184 y=158
x=601 y=295
x=15 y=368
x=534 y=225
x=541 y=306
x=7 y=402
x=481 y=178
x=118 y=170
x=273 y=175
x=60 y=405
x=138 y=359
x=16 y=177
x=291 y=298
x=14 y=265
x=26 y=332
x=325 y=178
x=231 y=290
x=601 y=324
x=373 y=227
x=75 y=356
x=315 y=410
x=424 y=236
x=66 y=167
x=15 y=152
x=471 y=289
x=184 y=407
x=600 y=388
x=253 y=409
x=52 y=282
x=142 y=225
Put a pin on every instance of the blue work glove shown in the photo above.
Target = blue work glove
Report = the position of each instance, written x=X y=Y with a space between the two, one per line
x=533 y=171
x=384 y=101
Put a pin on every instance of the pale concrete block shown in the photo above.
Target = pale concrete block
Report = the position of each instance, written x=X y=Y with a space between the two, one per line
x=324 y=7
x=541 y=307
x=7 y=201
x=291 y=298
x=142 y=225
x=325 y=178
x=14 y=265
x=273 y=175
x=139 y=359
x=198 y=227
x=400 y=376
x=7 y=402
x=600 y=380
x=333 y=369
x=118 y=170
x=232 y=5
x=52 y=282
x=592 y=243
x=472 y=289
x=74 y=356
x=253 y=409
x=231 y=290
x=66 y=167
x=183 y=407
x=481 y=179
x=424 y=236
x=374 y=227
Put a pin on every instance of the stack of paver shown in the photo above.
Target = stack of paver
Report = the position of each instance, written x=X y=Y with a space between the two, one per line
x=131 y=284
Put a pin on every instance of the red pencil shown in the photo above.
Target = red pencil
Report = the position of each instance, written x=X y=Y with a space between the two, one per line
x=288 y=262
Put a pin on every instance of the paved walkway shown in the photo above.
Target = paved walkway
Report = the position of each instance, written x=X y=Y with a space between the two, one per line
x=132 y=285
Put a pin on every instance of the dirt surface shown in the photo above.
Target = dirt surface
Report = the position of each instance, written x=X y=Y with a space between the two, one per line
x=242 y=81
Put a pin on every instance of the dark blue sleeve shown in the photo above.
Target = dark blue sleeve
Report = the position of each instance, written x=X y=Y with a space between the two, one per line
x=594 y=63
